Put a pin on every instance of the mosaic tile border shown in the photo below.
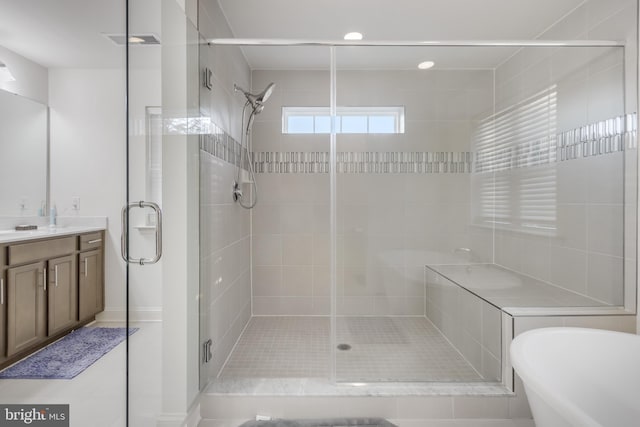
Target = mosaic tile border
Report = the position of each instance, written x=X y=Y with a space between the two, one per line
x=363 y=162
x=220 y=144
x=604 y=137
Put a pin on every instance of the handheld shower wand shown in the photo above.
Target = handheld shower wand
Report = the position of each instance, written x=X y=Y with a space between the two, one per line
x=256 y=101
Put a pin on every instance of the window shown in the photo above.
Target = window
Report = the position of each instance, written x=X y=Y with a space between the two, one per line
x=515 y=175
x=301 y=120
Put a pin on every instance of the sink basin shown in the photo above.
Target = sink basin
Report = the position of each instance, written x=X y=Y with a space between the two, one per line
x=580 y=377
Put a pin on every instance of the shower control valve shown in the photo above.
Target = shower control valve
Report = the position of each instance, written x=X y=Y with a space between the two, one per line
x=237 y=192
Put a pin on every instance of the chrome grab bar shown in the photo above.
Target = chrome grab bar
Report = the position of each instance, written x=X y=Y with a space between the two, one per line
x=125 y=233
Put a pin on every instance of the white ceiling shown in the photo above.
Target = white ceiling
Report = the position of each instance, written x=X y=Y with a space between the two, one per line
x=69 y=33
x=389 y=20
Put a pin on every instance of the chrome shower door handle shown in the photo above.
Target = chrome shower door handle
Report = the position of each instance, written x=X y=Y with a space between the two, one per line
x=125 y=232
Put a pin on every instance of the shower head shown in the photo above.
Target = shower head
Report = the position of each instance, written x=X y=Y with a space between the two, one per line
x=256 y=100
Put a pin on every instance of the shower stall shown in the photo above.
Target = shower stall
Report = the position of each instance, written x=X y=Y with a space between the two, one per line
x=410 y=222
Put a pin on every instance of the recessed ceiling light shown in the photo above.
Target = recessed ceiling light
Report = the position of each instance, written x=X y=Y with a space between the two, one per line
x=133 y=39
x=5 y=74
x=426 y=65
x=353 y=36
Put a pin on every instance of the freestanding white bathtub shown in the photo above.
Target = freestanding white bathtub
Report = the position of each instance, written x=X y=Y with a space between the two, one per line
x=580 y=377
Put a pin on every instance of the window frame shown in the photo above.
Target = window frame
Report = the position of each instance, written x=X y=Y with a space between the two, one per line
x=397 y=112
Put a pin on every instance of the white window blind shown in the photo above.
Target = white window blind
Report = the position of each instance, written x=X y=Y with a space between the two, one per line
x=515 y=173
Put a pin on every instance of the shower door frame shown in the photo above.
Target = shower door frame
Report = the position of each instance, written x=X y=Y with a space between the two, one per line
x=630 y=295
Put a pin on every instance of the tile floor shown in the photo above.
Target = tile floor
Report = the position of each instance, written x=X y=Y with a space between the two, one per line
x=97 y=395
x=382 y=349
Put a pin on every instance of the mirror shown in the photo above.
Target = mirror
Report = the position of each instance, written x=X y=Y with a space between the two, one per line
x=23 y=156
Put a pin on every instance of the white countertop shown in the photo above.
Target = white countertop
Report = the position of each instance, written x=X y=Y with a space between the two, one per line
x=45 y=232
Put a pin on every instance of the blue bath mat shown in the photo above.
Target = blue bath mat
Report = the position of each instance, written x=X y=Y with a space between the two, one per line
x=69 y=356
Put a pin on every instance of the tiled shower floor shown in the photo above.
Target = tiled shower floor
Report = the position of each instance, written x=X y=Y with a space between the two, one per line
x=382 y=349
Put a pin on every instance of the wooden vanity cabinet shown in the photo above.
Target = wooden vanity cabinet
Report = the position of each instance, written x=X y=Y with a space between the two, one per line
x=26 y=307
x=91 y=276
x=91 y=287
x=49 y=287
x=3 y=303
x=62 y=291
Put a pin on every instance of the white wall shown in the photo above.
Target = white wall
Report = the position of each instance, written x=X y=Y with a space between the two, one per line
x=88 y=157
x=31 y=79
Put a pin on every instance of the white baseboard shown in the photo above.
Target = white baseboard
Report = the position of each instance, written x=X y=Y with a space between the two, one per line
x=193 y=418
x=179 y=419
x=139 y=314
x=171 y=420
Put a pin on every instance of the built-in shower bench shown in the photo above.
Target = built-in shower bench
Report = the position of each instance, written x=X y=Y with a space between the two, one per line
x=480 y=308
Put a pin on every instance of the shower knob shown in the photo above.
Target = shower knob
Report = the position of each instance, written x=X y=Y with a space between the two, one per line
x=237 y=192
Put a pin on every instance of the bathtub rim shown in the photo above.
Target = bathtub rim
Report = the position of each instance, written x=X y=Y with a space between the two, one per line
x=555 y=400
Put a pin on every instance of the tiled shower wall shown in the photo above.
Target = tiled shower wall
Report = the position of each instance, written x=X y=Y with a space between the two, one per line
x=392 y=220
x=225 y=277
x=585 y=251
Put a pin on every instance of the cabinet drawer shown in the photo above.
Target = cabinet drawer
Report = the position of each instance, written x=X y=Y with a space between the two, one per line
x=27 y=252
x=91 y=241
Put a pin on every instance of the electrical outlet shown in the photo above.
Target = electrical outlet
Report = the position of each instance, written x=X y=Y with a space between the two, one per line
x=75 y=203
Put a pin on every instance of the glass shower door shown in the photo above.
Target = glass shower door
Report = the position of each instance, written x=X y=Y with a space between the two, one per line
x=160 y=218
x=142 y=214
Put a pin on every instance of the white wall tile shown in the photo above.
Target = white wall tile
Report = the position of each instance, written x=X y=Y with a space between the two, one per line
x=605 y=224
x=267 y=281
x=571 y=226
x=569 y=268
x=605 y=278
x=267 y=249
x=297 y=280
x=297 y=249
x=266 y=219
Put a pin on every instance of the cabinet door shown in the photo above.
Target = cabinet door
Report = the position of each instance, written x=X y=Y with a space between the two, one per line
x=3 y=314
x=3 y=305
x=91 y=288
x=63 y=297
x=26 y=307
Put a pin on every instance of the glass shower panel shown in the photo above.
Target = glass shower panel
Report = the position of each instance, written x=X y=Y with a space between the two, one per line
x=404 y=166
x=549 y=178
x=283 y=242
